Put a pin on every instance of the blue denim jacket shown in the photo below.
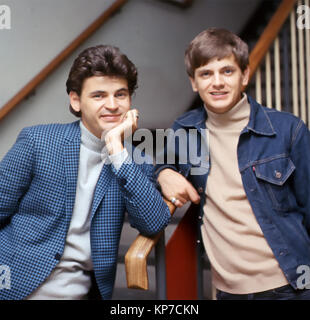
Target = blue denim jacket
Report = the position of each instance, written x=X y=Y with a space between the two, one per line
x=274 y=163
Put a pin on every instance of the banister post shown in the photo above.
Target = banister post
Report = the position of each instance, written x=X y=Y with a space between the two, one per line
x=160 y=265
x=182 y=259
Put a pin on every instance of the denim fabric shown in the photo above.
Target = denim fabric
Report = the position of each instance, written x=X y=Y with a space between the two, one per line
x=281 y=293
x=274 y=163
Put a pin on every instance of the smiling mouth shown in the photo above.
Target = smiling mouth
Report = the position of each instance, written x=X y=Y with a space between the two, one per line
x=218 y=93
x=111 y=117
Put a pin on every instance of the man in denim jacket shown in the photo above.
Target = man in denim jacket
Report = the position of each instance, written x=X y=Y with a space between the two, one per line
x=254 y=181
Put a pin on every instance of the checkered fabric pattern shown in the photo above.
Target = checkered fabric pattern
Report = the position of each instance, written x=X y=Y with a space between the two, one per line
x=38 y=179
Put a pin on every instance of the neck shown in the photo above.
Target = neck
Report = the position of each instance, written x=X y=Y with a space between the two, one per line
x=236 y=118
x=89 y=140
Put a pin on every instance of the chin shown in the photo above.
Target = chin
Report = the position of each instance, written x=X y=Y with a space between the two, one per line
x=108 y=125
x=221 y=106
x=219 y=109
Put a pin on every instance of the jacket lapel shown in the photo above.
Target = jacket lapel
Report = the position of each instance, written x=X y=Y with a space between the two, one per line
x=71 y=155
x=103 y=183
x=71 y=163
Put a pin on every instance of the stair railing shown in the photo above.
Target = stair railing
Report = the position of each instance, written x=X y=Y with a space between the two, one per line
x=282 y=64
x=136 y=257
x=268 y=44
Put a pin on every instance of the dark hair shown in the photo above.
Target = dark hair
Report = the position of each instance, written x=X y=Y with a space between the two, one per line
x=215 y=43
x=102 y=60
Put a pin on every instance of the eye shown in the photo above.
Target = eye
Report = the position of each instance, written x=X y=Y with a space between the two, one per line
x=228 y=71
x=122 y=94
x=205 y=73
x=97 y=96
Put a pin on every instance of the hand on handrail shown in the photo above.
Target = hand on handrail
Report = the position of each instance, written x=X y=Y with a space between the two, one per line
x=136 y=258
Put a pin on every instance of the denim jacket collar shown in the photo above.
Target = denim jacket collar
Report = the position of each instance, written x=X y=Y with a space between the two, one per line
x=196 y=118
x=259 y=120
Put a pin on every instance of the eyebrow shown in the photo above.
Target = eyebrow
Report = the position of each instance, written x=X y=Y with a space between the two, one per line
x=102 y=91
x=96 y=92
x=203 y=69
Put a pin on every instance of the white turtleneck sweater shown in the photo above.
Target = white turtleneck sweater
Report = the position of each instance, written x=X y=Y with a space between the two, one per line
x=71 y=278
x=241 y=259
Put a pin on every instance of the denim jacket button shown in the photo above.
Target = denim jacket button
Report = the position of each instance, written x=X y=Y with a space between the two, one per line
x=278 y=174
x=200 y=190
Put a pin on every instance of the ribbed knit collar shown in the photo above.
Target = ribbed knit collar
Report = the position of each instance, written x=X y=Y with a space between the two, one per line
x=89 y=140
x=235 y=119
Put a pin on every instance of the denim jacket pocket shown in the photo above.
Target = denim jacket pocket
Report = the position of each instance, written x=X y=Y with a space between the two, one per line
x=273 y=176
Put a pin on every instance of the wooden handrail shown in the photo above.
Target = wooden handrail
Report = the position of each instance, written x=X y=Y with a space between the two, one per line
x=270 y=33
x=136 y=257
x=32 y=84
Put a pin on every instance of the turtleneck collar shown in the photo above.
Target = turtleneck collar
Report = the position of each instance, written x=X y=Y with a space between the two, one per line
x=235 y=119
x=89 y=140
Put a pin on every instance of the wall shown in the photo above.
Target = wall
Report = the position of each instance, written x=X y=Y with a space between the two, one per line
x=153 y=34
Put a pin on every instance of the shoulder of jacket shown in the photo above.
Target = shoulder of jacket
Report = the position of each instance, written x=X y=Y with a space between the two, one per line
x=50 y=130
x=191 y=118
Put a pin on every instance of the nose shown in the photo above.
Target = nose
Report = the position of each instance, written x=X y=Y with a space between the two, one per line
x=218 y=81
x=111 y=104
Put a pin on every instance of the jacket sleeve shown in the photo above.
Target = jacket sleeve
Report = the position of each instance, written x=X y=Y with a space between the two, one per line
x=146 y=208
x=300 y=155
x=15 y=174
x=169 y=156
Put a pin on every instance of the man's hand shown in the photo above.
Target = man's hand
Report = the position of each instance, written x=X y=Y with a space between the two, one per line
x=114 y=138
x=174 y=185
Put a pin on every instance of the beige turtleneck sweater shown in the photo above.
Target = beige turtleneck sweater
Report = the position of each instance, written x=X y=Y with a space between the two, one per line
x=241 y=259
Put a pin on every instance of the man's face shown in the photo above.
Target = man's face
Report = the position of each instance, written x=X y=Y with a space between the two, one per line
x=103 y=102
x=219 y=83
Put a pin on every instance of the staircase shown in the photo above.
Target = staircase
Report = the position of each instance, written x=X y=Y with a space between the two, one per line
x=121 y=292
x=251 y=33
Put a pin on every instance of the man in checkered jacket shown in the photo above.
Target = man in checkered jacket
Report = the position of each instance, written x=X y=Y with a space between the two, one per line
x=64 y=189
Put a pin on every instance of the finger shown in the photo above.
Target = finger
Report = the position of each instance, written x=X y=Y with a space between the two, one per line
x=135 y=113
x=132 y=112
x=134 y=116
x=130 y=117
x=124 y=117
x=193 y=195
x=178 y=203
x=181 y=199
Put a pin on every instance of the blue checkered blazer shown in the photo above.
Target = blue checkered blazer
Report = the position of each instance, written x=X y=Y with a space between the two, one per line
x=38 y=179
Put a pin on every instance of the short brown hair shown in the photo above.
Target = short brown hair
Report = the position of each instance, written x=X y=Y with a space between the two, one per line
x=102 y=60
x=215 y=43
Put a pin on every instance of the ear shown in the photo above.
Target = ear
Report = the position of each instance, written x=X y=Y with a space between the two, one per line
x=75 y=101
x=245 y=76
x=193 y=83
